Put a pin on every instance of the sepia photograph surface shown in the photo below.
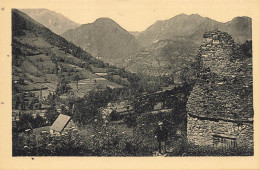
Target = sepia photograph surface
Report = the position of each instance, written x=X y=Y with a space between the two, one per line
x=114 y=79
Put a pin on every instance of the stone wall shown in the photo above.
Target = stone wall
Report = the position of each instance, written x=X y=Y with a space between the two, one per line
x=221 y=101
x=216 y=49
x=201 y=131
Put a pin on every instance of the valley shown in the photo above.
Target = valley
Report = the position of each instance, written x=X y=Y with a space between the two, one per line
x=98 y=90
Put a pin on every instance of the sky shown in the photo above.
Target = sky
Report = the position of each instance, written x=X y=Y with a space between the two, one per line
x=137 y=15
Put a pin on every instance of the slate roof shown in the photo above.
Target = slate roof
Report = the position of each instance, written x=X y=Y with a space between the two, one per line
x=60 y=123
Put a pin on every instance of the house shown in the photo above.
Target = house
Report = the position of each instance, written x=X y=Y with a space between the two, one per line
x=62 y=124
x=114 y=86
x=111 y=86
x=107 y=111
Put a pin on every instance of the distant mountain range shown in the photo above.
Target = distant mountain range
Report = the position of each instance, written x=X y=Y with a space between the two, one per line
x=191 y=27
x=166 y=47
x=104 y=39
x=56 y=22
x=45 y=61
x=171 y=45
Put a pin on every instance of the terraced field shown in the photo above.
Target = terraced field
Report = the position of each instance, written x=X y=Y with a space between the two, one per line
x=86 y=85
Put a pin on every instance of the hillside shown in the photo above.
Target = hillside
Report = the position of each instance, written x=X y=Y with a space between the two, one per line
x=169 y=46
x=44 y=62
x=135 y=33
x=104 y=39
x=163 y=58
x=192 y=27
x=56 y=22
x=240 y=28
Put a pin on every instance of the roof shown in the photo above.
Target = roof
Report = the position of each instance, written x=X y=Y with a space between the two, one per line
x=107 y=111
x=170 y=87
x=114 y=86
x=60 y=123
x=101 y=74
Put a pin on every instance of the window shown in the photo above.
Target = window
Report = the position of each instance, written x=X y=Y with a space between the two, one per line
x=221 y=141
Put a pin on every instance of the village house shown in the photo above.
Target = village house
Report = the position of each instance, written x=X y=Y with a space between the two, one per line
x=62 y=125
x=106 y=112
x=220 y=109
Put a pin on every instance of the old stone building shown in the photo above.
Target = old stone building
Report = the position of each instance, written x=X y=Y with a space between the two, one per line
x=220 y=106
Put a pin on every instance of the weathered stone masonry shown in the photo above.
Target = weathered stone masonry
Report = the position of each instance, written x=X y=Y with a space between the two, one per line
x=220 y=106
x=201 y=131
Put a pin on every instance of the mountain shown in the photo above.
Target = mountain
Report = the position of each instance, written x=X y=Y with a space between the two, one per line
x=135 y=33
x=170 y=46
x=56 y=22
x=192 y=27
x=104 y=39
x=44 y=62
x=240 y=28
x=163 y=58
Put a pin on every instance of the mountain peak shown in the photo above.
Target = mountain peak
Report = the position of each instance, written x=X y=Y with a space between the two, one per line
x=104 y=19
x=56 y=22
x=35 y=11
x=182 y=14
x=186 y=15
x=241 y=18
x=105 y=39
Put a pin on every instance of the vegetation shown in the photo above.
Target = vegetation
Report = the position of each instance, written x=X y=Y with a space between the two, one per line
x=27 y=121
x=243 y=51
x=87 y=108
x=97 y=135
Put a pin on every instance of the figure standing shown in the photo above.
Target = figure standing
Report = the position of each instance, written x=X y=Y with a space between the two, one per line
x=161 y=134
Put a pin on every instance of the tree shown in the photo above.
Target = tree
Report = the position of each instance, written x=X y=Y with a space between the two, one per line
x=16 y=99
x=87 y=108
x=31 y=104
x=26 y=121
x=51 y=114
x=76 y=79
x=38 y=121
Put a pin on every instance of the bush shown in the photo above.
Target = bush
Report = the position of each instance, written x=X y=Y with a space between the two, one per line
x=46 y=145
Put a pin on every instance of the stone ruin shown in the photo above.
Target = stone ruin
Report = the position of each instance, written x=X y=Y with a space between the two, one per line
x=220 y=106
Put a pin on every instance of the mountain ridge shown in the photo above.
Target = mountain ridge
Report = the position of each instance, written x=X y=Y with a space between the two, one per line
x=45 y=61
x=105 y=39
x=169 y=46
x=186 y=25
x=56 y=22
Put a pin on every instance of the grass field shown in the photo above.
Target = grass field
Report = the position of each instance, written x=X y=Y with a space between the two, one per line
x=34 y=41
x=42 y=62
